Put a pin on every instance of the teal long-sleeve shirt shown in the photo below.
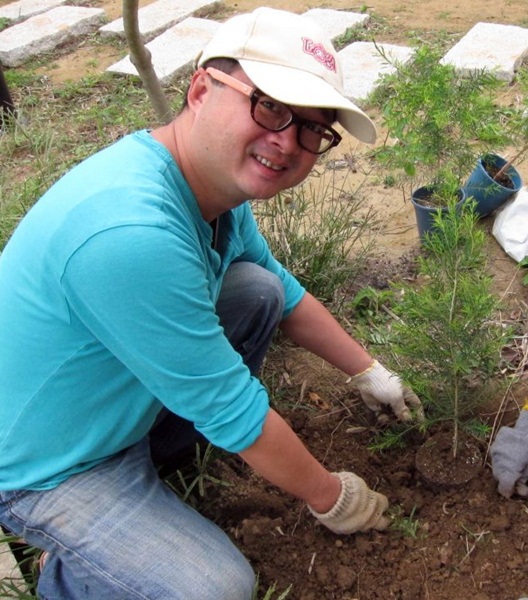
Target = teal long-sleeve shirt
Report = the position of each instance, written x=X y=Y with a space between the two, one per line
x=107 y=313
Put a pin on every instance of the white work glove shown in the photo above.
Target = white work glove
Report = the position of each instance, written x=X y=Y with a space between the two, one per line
x=378 y=387
x=358 y=508
x=509 y=457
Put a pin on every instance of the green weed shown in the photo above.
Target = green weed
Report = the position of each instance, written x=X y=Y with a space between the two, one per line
x=320 y=233
x=20 y=587
x=408 y=526
x=186 y=483
x=269 y=594
x=351 y=34
x=368 y=303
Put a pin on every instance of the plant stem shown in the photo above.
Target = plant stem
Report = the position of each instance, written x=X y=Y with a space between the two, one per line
x=455 y=427
x=507 y=165
x=455 y=383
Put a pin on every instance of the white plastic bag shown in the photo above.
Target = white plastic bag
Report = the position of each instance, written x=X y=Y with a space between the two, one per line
x=510 y=227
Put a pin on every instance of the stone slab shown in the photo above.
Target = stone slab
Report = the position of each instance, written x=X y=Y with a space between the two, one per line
x=173 y=52
x=159 y=16
x=23 y=9
x=336 y=22
x=497 y=48
x=46 y=31
x=9 y=568
x=363 y=65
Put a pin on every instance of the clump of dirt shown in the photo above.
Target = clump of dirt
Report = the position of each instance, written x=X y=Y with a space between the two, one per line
x=441 y=464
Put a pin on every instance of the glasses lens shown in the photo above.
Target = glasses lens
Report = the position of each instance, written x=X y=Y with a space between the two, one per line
x=271 y=114
x=315 y=137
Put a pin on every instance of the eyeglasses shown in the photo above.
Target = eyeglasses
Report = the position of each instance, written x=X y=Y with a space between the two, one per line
x=312 y=136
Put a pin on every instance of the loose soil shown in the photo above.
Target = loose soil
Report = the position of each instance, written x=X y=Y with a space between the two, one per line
x=502 y=179
x=447 y=542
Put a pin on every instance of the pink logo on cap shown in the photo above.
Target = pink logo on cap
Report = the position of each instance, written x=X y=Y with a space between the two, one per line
x=317 y=50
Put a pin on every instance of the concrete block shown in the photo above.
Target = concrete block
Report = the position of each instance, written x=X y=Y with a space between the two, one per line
x=336 y=22
x=363 y=65
x=9 y=568
x=159 y=16
x=487 y=46
x=173 y=52
x=23 y=9
x=45 y=32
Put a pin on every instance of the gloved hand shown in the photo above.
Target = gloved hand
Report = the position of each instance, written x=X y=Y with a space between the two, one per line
x=379 y=386
x=358 y=508
x=509 y=457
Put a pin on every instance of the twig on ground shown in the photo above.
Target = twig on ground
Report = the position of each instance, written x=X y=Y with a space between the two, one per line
x=477 y=537
x=497 y=419
x=312 y=563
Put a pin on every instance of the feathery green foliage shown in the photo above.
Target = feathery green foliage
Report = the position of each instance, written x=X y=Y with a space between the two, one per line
x=438 y=121
x=446 y=342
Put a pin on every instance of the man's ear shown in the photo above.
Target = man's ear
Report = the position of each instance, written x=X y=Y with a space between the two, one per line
x=199 y=87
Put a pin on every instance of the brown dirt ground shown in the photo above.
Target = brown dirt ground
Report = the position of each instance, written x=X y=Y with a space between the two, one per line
x=469 y=542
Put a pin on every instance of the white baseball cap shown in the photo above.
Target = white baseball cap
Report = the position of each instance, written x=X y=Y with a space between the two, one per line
x=290 y=58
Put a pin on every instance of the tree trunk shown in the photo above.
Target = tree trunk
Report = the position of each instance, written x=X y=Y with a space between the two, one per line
x=141 y=59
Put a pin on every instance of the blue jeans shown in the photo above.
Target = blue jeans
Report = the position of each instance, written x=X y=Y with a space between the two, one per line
x=116 y=531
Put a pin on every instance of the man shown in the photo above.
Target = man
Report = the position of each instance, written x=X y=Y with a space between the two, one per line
x=138 y=301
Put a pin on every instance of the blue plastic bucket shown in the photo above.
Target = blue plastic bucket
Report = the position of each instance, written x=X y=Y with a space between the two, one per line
x=489 y=194
x=425 y=214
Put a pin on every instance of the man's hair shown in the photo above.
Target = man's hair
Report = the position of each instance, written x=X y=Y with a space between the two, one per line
x=227 y=65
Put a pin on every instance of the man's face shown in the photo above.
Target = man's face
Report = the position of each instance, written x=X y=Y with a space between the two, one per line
x=246 y=160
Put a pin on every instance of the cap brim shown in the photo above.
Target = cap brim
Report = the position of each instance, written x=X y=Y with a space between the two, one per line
x=300 y=88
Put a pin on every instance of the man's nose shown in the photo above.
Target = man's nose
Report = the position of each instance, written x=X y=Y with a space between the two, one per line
x=287 y=139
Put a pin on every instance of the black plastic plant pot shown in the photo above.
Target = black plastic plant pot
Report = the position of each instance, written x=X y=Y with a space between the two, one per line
x=425 y=209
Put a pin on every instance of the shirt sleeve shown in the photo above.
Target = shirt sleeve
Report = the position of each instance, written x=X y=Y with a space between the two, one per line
x=143 y=293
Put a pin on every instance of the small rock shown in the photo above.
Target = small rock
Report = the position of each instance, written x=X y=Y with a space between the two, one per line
x=363 y=545
x=337 y=164
x=399 y=477
x=477 y=501
x=345 y=577
x=500 y=523
x=445 y=553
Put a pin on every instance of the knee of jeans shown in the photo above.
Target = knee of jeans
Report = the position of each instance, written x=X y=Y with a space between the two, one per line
x=238 y=584
x=268 y=289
